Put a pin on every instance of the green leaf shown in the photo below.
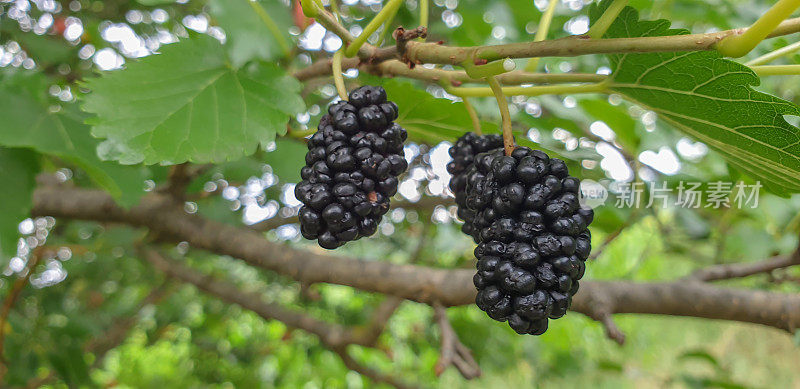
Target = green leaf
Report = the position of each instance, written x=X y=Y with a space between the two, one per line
x=426 y=118
x=18 y=169
x=616 y=118
x=189 y=104
x=247 y=35
x=235 y=172
x=287 y=159
x=710 y=98
x=28 y=121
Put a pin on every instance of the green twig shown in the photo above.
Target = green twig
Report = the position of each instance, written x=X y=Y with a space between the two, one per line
x=386 y=28
x=388 y=11
x=777 y=70
x=600 y=27
x=601 y=87
x=505 y=115
x=424 y=9
x=773 y=55
x=336 y=68
x=490 y=69
x=273 y=28
x=541 y=33
x=739 y=45
x=473 y=115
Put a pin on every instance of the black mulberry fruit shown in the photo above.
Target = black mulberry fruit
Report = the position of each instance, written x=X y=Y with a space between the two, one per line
x=531 y=232
x=351 y=170
x=462 y=168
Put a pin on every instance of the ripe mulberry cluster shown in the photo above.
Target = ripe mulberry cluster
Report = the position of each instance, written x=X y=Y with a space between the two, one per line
x=532 y=237
x=462 y=167
x=351 y=171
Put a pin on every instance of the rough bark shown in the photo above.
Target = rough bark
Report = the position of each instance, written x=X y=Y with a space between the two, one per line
x=422 y=284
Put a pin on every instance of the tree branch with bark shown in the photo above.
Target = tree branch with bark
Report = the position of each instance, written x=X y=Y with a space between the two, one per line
x=399 y=60
x=422 y=284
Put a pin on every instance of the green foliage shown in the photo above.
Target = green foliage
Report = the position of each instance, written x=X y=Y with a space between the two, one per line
x=193 y=107
x=615 y=117
x=710 y=98
x=426 y=118
x=18 y=168
x=286 y=160
x=32 y=120
x=248 y=36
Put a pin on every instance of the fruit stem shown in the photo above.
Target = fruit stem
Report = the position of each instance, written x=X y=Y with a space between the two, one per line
x=739 y=45
x=423 y=16
x=505 y=115
x=388 y=11
x=539 y=90
x=777 y=70
x=473 y=115
x=273 y=28
x=491 y=69
x=338 y=80
x=773 y=55
x=600 y=27
x=541 y=33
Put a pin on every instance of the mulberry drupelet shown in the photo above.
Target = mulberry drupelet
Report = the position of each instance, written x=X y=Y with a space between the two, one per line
x=462 y=167
x=351 y=171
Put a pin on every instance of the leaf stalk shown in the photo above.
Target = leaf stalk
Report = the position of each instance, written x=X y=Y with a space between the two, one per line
x=541 y=33
x=388 y=11
x=739 y=45
x=271 y=26
x=600 y=27
x=773 y=55
x=777 y=70
x=424 y=10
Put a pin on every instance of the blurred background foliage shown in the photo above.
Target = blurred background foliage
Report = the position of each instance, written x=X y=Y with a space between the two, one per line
x=92 y=281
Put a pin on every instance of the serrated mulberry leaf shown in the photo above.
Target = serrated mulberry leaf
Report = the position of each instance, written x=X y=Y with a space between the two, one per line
x=28 y=122
x=427 y=118
x=189 y=104
x=710 y=98
x=247 y=36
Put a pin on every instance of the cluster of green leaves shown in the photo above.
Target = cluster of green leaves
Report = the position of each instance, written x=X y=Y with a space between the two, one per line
x=711 y=99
